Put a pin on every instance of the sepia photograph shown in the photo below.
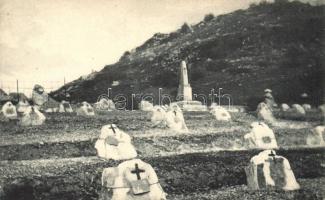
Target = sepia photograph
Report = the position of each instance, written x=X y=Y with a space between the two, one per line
x=162 y=99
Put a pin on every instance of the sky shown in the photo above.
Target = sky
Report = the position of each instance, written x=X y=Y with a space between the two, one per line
x=47 y=41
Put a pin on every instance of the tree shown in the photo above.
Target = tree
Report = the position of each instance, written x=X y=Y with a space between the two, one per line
x=208 y=17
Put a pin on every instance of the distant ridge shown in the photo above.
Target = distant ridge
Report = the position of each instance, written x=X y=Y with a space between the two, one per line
x=270 y=45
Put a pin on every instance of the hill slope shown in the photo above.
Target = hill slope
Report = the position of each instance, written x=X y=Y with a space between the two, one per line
x=278 y=46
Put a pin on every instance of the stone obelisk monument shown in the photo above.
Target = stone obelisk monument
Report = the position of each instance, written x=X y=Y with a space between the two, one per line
x=184 y=88
x=185 y=92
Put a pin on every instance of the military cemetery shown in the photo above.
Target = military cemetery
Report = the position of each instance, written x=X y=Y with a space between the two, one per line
x=205 y=112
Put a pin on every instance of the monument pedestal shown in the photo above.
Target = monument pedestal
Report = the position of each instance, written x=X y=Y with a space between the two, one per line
x=191 y=106
x=185 y=92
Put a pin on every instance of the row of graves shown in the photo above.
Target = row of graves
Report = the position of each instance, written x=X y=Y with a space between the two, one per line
x=135 y=179
x=31 y=112
x=178 y=151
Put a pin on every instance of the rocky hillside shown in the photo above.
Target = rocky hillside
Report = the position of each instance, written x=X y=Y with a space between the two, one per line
x=270 y=45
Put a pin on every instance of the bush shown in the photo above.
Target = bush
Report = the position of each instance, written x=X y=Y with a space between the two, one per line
x=125 y=55
x=208 y=17
x=252 y=5
x=186 y=28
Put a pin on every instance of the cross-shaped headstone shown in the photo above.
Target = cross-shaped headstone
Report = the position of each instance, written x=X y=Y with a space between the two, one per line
x=137 y=171
x=272 y=155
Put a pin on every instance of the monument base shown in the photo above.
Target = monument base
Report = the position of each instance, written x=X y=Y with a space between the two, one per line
x=231 y=108
x=191 y=106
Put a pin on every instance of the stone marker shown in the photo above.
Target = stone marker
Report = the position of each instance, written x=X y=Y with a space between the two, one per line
x=22 y=106
x=9 y=111
x=269 y=99
x=114 y=144
x=265 y=113
x=270 y=171
x=220 y=114
x=316 y=138
x=85 y=109
x=105 y=104
x=175 y=119
x=261 y=136
x=298 y=109
x=158 y=116
x=131 y=180
x=146 y=106
x=322 y=108
x=213 y=105
x=306 y=106
x=52 y=110
x=184 y=88
x=65 y=107
x=43 y=101
x=185 y=92
x=32 y=117
x=285 y=107
x=39 y=96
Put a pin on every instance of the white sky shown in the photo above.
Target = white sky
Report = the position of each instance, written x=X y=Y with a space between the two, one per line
x=43 y=41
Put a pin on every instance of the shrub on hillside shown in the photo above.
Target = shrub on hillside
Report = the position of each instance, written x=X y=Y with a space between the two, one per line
x=186 y=28
x=208 y=17
x=125 y=56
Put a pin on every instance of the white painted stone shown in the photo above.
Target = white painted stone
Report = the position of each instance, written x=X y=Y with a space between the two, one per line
x=49 y=110
x=158 y=115
x=22 y=106
x=285 y=107
x=85 y=109
x=131 y=180
x=304 y=95
x=270 y=171
x=52 y=110
x=192 y=106
x=9 y=111
x=316 y=137
x=165 y=107
x=65 y=107
x=175 y=119
x=265 y=113
x=220 y=114
x=32 y=117
x=105 y=104
x=39 y=96
x=213 y=105
x=306 y=106
x=146 y=106
x=115 y=144
x=261 y=136
x=322 y=108
x=298 y=109
x=269 y=99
